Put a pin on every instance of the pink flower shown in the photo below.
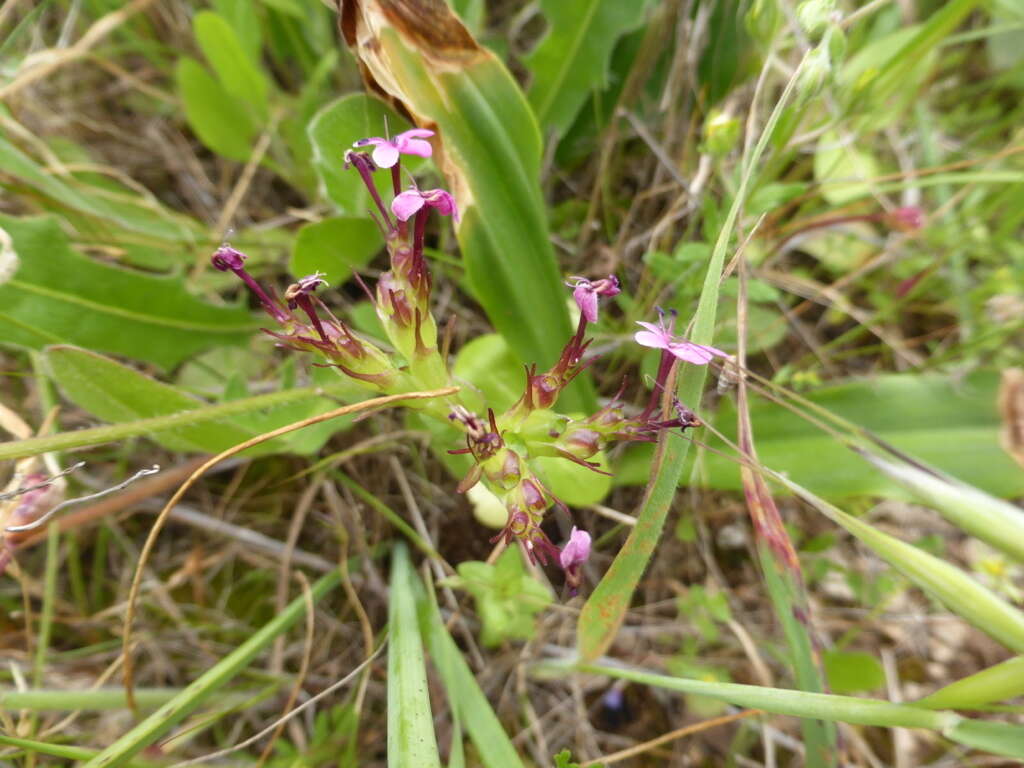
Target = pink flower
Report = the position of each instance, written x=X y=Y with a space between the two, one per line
x=572 y=557
x=586 y=292
x=577 y=549
x=660 y=337
x=409 y=202
x=386 y=152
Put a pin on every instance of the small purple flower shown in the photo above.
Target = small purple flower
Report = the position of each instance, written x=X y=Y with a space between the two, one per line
x=386 y=152
x=586 y=292
x=660 y=337
x=577 y=549
x=572 y=557
x=227 y=259
x=303 y=287
x=406 y=204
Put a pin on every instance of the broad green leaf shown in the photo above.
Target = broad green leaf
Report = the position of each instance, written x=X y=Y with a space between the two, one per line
x=492 y=154
x=576 y=485
x=337 y=247
x=244 y=21
x=235 y=70
x=853 y=671
x=466 y=699
x=332 y=132
x=59 y=296
x=497 y=379
x=213 y=680
x=571 y=61
x=221 y=122
x=116 y=393
x=999 y=738
x=411 y=740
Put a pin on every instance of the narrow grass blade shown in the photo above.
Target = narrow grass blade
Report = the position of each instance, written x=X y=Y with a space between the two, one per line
x=999 y=738
x=789 y=601
x=43 y=700
x=994 y=521
x=604 y=611
x=469 y=704
x=943 y=581
x=160 y=722
x=44 y=748
x=998 y=683
x=411 y=740
x=200 y=415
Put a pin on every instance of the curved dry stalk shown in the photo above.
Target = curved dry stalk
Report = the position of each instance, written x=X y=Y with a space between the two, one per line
x=158 y=524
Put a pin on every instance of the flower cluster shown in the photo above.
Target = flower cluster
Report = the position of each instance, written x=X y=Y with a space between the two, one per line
x=502 y=446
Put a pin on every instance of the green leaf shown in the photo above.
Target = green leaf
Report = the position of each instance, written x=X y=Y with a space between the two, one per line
x=507 y=597
x=411 y=740
x=853 y=671
x=220 y=121
x=605 y=609
x=337 y=247
x=838 y=161
x=235 y=70
x=493 y=152
x=59 y=296
x=994 y=521
x=899 y=408
x=213 y=680
x=491 y=368
x=106 y=208
x=997 y=683
x=999 y=738
x=116 y=393
x=466 y=699
x=333 y=130
x=945 y=582
x=576 y=485
x=572 y=59
x=244 y=21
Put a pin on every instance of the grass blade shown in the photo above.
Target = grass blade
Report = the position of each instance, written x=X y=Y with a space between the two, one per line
x=997 y=683
x=994 y=521
x=469 y=704
x=204 y=414
x=411 y=740
x=999 y=738
x=943 y=581
x=606 y=608
x=160 y=722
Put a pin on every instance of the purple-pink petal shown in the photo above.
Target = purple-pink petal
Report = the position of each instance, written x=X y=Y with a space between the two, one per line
x=405 y=204
x=385 y=155
x=415 y=133
x=577 y=549
x=375 y=140
x=698 y=354
x=443 y=202
x=586 y=300
x=649 y=339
